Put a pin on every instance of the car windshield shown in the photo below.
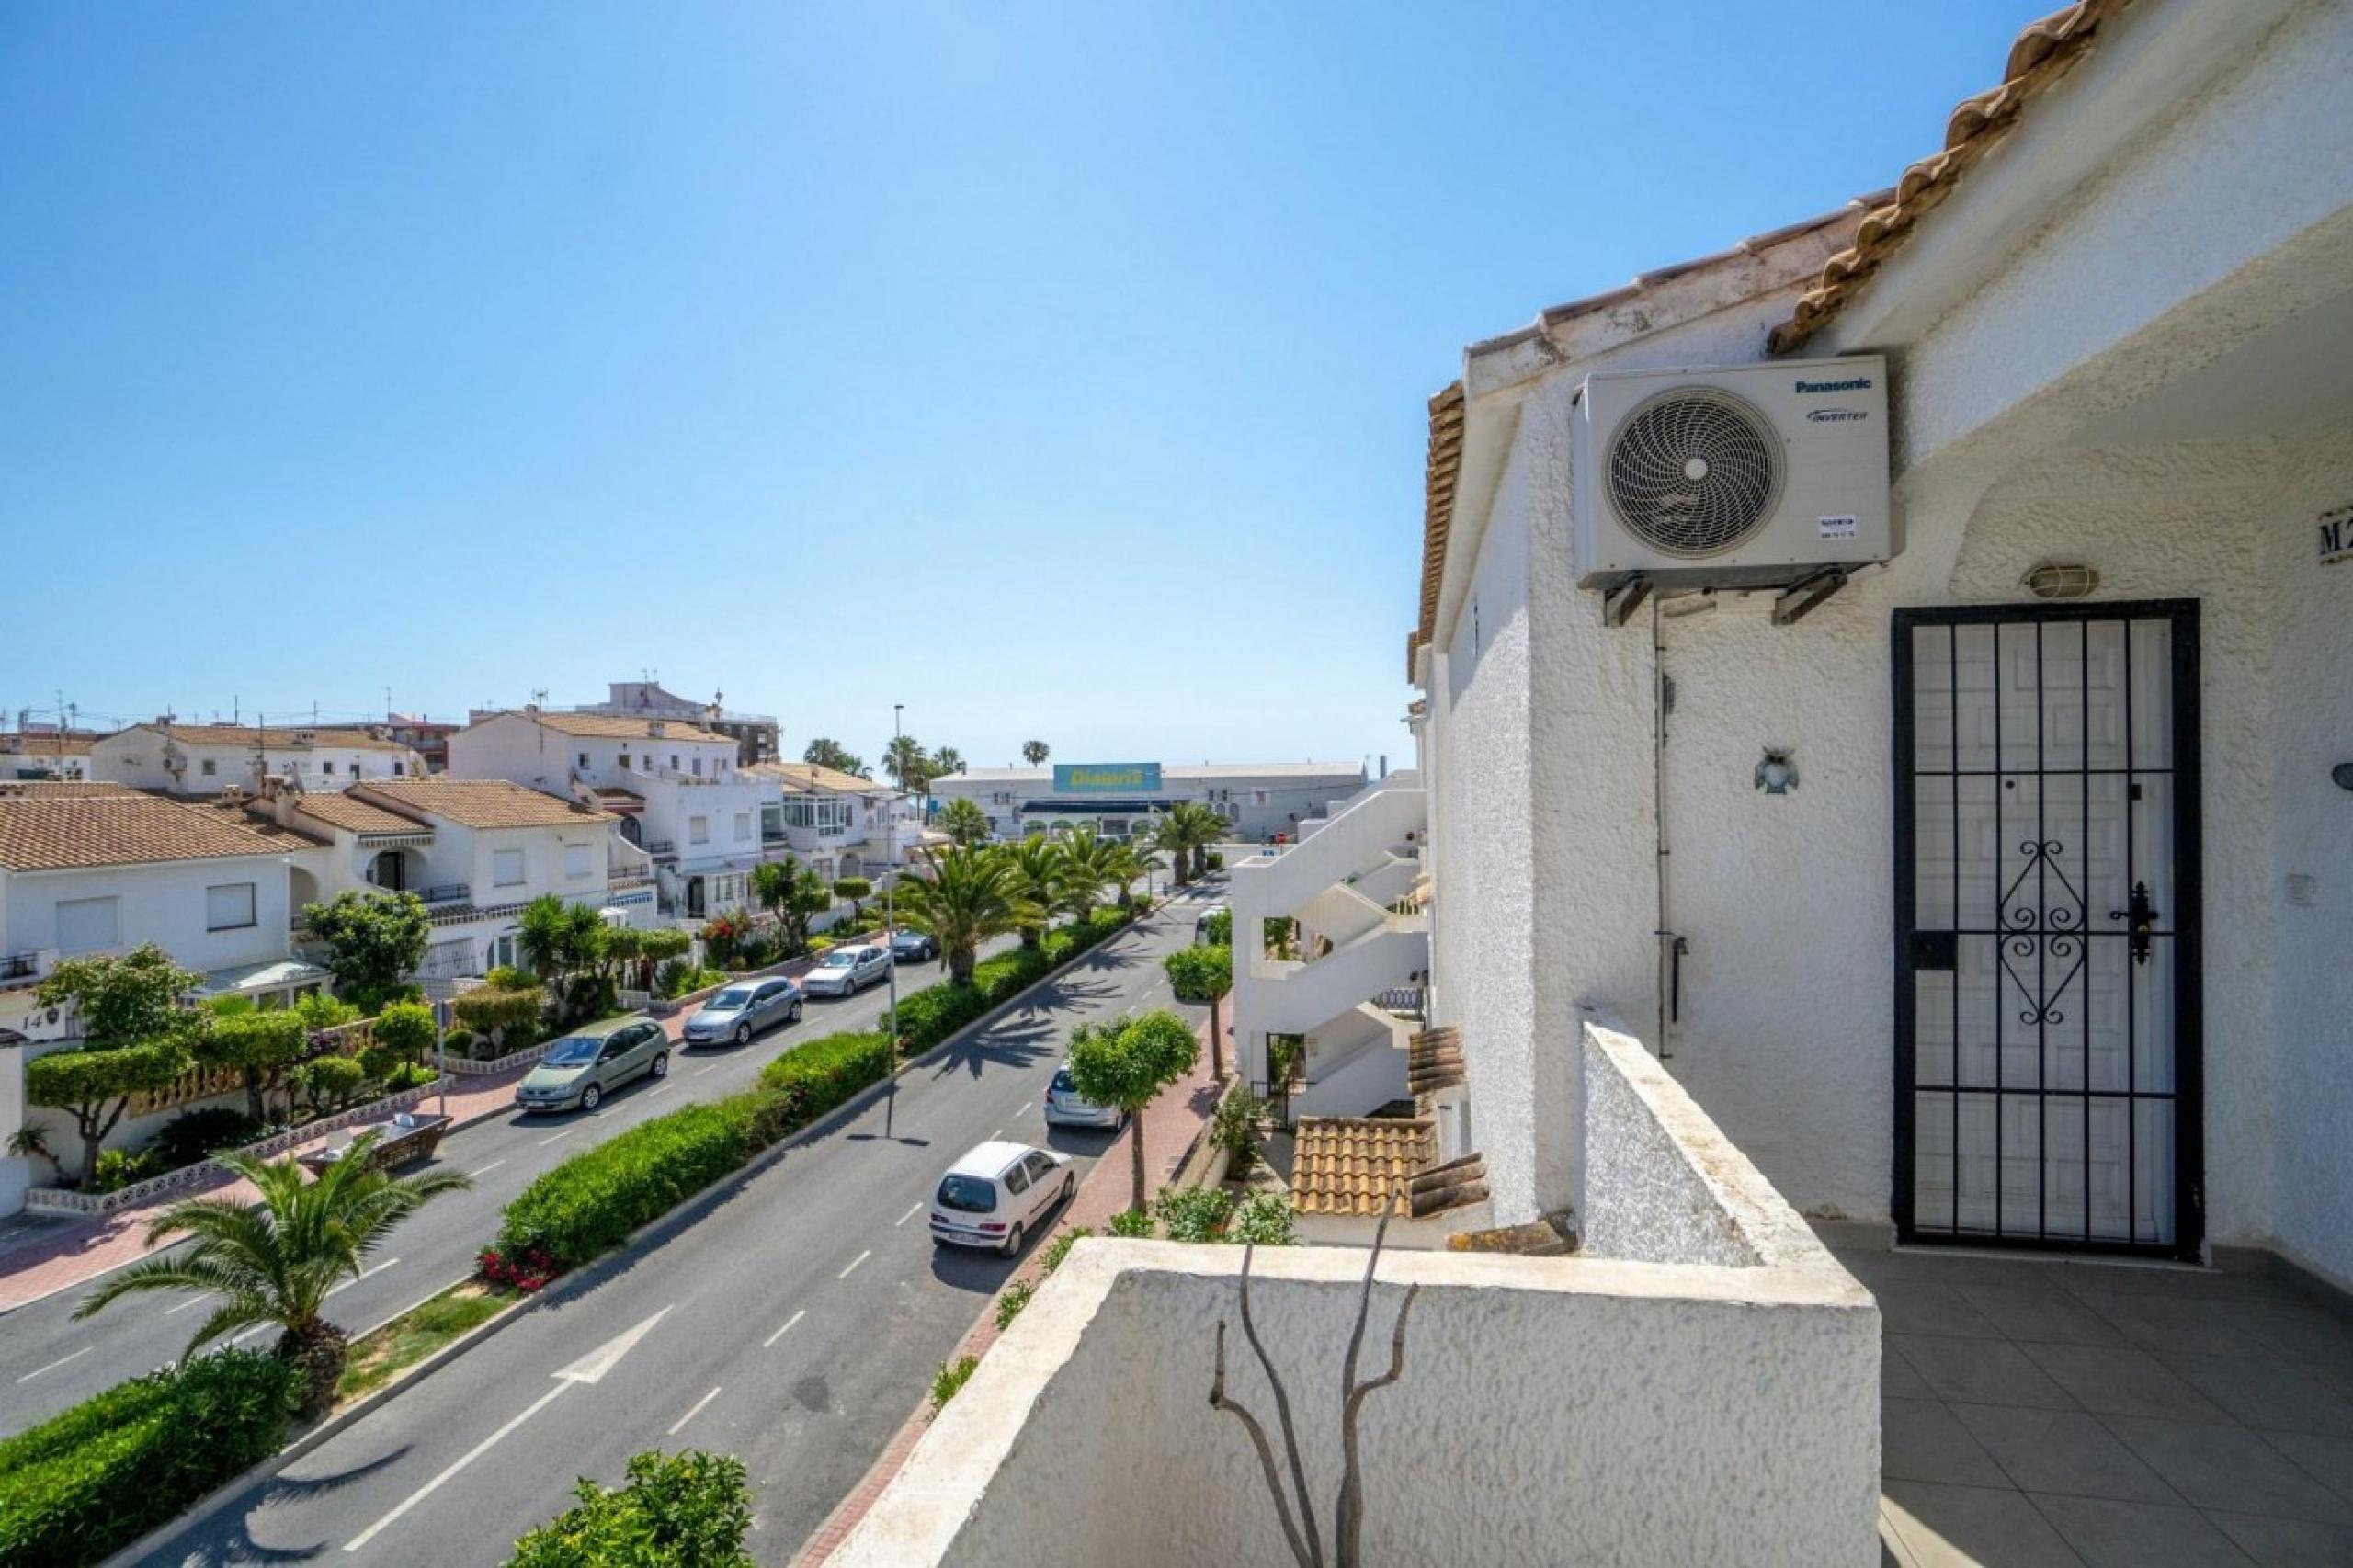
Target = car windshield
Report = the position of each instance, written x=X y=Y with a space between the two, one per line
x=968 y=1195
x=734 y=996
x=837 y=961
x=572 y=1050
x=1063 y=1083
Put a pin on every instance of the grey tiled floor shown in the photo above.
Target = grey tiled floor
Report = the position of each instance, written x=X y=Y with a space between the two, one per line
x=2066 y=1412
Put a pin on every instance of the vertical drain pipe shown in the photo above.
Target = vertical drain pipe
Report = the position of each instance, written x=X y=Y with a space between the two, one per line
x=1662 y=700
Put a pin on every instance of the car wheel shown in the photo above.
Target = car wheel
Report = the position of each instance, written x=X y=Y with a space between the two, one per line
x=1013 y=1240
x=743 y=1034
x=661 y=1068
x=794 y=1016
x=1069 y=1188
x=590 y=1096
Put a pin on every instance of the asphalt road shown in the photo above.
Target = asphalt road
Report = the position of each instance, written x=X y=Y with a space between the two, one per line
x=792 y=1317
x=48 y=1361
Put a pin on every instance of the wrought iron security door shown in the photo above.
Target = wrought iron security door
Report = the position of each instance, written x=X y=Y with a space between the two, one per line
x=2046 y=970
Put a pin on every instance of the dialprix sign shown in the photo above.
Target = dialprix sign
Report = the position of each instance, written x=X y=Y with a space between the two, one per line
x=1106 y=778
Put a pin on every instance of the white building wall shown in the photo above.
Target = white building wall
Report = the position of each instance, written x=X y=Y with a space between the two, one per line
x=136 y=757
x=162 y=903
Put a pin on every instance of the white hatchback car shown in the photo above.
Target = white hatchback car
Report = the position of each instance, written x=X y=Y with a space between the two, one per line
x=998 y=1194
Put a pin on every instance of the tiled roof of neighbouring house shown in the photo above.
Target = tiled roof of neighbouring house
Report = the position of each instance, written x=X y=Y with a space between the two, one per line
x=59 y=832
x=1352 y=1165
x=810 y=777
x=477 y=802
x=275 y=737
x=614 y=727
x=355 y=815
x=62 y=788
x=2042 y=52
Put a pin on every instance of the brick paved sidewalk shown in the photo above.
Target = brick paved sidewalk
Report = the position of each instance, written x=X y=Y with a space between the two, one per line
x=1170 y=1123
x=54 y=1255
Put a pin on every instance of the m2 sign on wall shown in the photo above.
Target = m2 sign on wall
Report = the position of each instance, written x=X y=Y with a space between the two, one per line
x=2336 y=536
x=1106 y=778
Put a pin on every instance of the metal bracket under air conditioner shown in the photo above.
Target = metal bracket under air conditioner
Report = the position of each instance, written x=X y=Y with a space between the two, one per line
x=1619 y=603
x=1798 y=600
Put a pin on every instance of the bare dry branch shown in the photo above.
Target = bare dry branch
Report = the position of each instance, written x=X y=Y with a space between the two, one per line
x=1347 y=1518
x=1282 y=1415
x=1265 y=1454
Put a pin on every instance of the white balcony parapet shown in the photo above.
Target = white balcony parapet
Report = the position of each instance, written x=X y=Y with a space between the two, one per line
x=1698 y=1384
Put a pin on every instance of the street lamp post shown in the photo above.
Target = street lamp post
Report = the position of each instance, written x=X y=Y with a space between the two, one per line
x=890 y=904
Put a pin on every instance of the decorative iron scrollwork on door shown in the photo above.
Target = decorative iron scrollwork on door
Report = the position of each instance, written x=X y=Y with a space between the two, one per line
x=2041 y=928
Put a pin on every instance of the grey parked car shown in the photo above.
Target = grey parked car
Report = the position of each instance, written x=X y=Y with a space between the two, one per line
x=846 y=971
x=587 y=1064
x=742 y=1011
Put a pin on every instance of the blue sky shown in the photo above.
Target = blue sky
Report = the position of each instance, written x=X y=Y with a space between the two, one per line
x=1055 y=371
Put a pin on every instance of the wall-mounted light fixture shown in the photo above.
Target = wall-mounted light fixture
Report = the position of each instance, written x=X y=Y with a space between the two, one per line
x=1776 y=774
x=2054 y=580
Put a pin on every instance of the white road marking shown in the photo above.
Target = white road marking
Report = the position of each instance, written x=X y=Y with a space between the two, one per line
x=780 y=1334
x=422 y=1493
x=486 y=1169
x=1024 y=1110
x=29 y=1377
x=364 y=1274
x=565 y=1133
x=998 y=1134
x=910 y=1214
x=854 y=1262
x=691 y=1414
x=184 y=1306
x=658 y=1089
x=712 y=1068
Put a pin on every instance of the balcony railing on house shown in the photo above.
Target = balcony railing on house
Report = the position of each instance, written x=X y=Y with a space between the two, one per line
x=20 y=966
x=1405 y=1001
x=447 y=892
x=660 y=846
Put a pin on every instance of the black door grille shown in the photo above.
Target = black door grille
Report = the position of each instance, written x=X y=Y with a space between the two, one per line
x=2047 y=957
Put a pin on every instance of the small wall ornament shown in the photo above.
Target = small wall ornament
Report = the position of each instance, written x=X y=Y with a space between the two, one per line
x=1776 y=774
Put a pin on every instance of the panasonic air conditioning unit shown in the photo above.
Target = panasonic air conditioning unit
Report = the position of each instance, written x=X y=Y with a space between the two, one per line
x=1737 y=476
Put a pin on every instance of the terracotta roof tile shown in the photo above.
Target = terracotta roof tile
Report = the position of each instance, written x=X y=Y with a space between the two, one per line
x=1353 y=1165
x=1439 y=470
x=54 y=832
x=2042 y=54
x=477 y=802
x=809 y=776
x=615 y=726
x=277 y=736
x=62 y=788
x=355 y=816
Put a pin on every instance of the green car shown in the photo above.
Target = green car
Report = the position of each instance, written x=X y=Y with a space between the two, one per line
x=592 y=1061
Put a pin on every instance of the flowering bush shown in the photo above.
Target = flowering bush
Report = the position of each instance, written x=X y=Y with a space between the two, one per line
x=525 y=1268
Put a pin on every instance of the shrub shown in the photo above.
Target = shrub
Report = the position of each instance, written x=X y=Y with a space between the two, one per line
x=507 y=977
x=408 y=1076
x=1000 y=977
x=195 y=1134
x=505 y=1012
x=1192 y=1214
x=1214 y=860
x=330 y=1084
x=1050 y=1257
x=931 y=1014
x=804 y=1084
x=527 y=1271
x=1234 y=1128
x=1008 y=1305
x=459 y=1042
x=590 y=1203
x=1131 y=1222
x=319 y=1011
x=91 y=1479
x=118 y=1168
x=691 y=1509
x=946 y=1381
x=1263 y=1218
x=1217 y=928
x=406 y=1028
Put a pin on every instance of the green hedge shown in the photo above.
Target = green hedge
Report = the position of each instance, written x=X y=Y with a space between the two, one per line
x=690 y=1508
x=591 y=1202
x=94 y=1477
x=931 y=1014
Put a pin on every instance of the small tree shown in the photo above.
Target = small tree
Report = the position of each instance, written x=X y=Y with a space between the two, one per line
x=1199 y=974
x=136 y=1034
x=691 y=1508
x=406 y=1028
x=1035 y=752
x=1039 y=871
x=375 y=941
x=858 y=890
x=263 y=1048
x=793 y=894
x=1126 y=1064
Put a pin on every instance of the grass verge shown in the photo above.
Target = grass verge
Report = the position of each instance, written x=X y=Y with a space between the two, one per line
x=384 y=1353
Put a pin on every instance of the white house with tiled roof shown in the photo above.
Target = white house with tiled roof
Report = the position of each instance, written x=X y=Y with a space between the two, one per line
x=35 y=754
x=675 y=786
x=204 y=759
x=842 y=824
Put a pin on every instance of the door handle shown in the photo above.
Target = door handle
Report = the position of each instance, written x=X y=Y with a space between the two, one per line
x=2140 y=916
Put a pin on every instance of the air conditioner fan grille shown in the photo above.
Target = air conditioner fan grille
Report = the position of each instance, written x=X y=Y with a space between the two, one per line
x=1694 y=471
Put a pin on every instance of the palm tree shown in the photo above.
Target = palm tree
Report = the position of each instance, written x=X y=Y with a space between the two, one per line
x=1087 y=865
x=274 y=1260
x=962 y=820
x=966 y=897
x=1172 y=833
x=904 y=761
x=824 y=753
x=1039 y=871
x=1199 y=828
x=1126 y=864
x=945 y=761
x=1035 y=752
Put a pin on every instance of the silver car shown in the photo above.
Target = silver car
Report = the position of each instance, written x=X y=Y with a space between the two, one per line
x=1066 y=1108
x=846 y=971
x=742 y=1011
